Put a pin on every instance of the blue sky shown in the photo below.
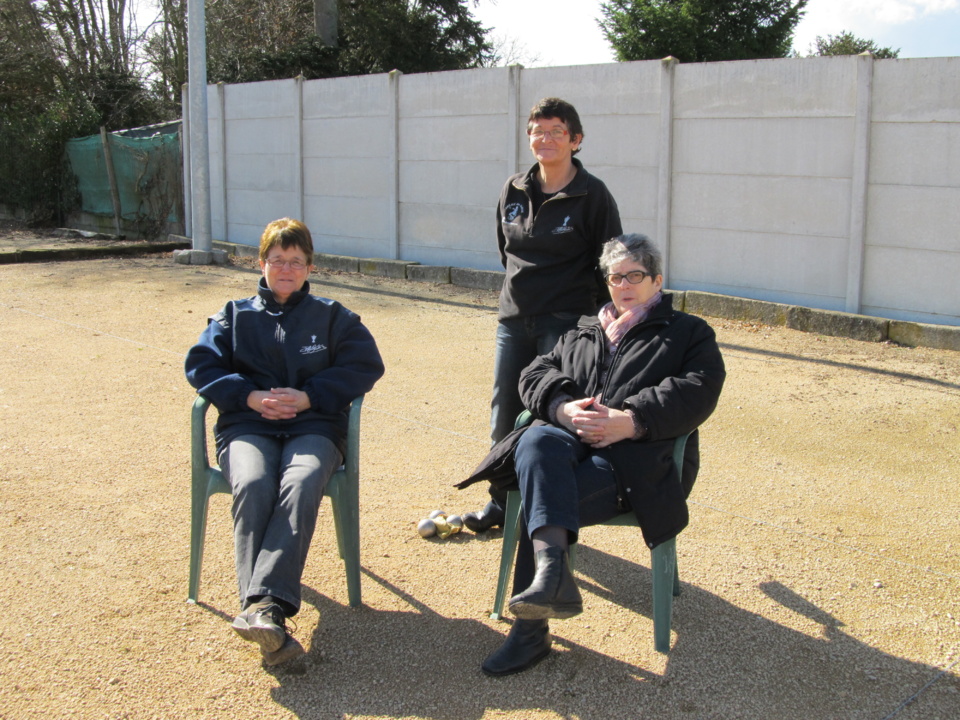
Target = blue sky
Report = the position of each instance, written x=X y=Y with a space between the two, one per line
x=565 y=32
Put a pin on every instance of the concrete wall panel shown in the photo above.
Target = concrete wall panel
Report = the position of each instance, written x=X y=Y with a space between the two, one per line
x=762 y=264
x=467 y=184
x=269 y=173
x=918 y=218
x=811 y=87
x=634 y=189
x=625 y=140
x=444 y=226
x=452 y=139
x=258 y=207
x=763 y=186
x=789 y=206
x=350 y=246
x=475 y=93
x=917 y=90
x=276 y=98
x=356 y=137
x=349 y=217
x=916 y=154
x=346 y=177
x=349 y=97
x=818 y=147
x=596 y=90
x=925 y=283
x=272 y=136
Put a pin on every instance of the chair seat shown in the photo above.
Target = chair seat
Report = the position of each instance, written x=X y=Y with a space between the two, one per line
x=343 y=489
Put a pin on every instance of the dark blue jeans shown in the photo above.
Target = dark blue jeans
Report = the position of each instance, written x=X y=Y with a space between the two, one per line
x=519 y=342
x=563 y=483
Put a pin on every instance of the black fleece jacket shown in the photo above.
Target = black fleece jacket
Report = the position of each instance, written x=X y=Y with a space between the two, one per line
x=551 y=258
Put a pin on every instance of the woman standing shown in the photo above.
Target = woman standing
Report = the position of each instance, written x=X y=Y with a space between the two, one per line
x=552 y=222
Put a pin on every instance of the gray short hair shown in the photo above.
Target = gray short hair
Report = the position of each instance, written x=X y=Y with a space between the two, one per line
x=632 y=246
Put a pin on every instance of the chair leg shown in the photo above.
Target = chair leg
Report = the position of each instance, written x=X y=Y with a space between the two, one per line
x=665 y=585
x=346 y=520
x=199 y=502
x=508 y=551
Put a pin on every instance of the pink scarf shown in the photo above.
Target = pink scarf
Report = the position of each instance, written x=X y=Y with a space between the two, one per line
x=616 y=327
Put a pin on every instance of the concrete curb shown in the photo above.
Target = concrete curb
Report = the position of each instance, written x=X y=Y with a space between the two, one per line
x=383 y=267
x=429 y=273
x=479 y=279
x=90 y=252
x=824 y=322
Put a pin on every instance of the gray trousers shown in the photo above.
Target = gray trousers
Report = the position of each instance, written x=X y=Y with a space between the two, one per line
x=277 y=484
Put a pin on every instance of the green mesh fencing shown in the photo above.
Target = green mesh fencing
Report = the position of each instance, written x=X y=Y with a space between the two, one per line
x=147 y=168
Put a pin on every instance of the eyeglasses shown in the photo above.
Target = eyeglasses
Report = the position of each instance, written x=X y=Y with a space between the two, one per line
x=278 y=264
x=634 y=277
x=538 y=133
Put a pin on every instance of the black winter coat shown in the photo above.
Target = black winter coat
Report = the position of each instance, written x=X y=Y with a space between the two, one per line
x=669 y=371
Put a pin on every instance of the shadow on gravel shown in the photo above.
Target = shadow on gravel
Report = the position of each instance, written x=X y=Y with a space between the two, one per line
x=785 y=673
x=846 y=366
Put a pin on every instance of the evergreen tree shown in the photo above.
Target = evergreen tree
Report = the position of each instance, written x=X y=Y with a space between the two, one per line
x=700 y=30
x=846 y=43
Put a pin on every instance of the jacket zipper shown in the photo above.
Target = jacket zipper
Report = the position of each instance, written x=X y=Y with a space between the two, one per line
x=613 y=361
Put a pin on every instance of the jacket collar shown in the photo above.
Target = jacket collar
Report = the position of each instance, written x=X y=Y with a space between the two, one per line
x=662 y=311
x=271 y=304
x=577 y=186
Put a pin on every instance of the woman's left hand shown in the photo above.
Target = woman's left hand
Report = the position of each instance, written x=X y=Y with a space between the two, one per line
x=606 y=427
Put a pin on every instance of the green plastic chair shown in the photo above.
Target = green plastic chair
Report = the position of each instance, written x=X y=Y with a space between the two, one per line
x=343 y=491
x=663 y=558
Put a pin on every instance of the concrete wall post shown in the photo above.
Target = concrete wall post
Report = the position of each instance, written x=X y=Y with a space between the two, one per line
x=665 y=161
x=859 y=180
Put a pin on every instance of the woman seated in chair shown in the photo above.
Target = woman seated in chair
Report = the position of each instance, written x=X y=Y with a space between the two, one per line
x=608 y=402
x=282 y=368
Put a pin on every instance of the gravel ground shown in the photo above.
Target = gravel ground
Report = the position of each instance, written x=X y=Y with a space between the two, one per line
x=820 y=571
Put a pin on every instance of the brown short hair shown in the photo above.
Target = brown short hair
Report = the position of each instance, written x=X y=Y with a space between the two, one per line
x=286 y=233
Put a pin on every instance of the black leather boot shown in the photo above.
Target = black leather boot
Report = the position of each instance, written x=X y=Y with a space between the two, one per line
x=527 y=643
x=481 y=521
x=553 y=592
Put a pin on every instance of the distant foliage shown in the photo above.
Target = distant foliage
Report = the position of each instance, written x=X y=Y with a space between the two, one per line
x=250 y=40
x=846 y=43
x=68 y=67
x=700 y=30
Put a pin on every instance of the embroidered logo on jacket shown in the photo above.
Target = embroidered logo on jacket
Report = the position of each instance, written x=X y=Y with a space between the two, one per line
x=511 y=212
x=565 y=228
x=313 y=347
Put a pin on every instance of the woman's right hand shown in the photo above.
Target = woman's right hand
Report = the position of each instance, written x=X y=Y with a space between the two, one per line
x=576 y=409
x=278 y=404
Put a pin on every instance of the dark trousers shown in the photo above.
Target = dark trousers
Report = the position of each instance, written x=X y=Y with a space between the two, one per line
x=563 y=483
x=519 y=341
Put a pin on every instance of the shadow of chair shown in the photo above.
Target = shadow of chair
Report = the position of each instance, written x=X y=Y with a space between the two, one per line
x=343 y=489
x=663 y=558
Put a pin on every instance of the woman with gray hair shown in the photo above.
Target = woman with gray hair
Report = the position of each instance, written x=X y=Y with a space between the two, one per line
x=608 y=401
